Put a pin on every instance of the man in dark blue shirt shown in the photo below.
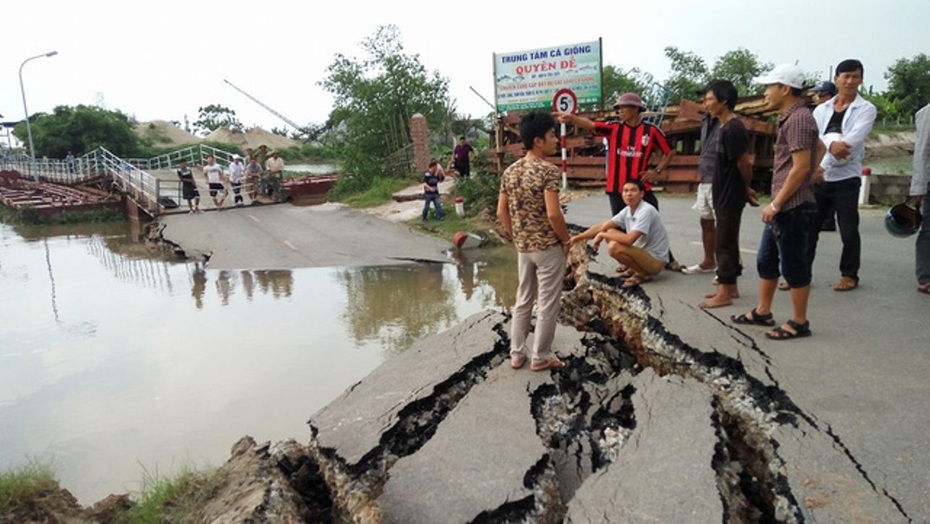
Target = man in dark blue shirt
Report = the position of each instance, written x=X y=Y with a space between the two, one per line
x=431 y=191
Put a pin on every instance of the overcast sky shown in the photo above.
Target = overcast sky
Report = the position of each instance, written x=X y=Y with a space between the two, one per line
x=163 y=60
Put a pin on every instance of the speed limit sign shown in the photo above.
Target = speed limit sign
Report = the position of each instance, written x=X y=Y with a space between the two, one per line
x=565 y=101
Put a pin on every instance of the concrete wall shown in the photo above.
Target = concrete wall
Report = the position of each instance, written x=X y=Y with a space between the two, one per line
x=889 y=189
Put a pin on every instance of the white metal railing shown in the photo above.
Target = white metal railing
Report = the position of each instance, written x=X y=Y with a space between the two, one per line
x=129 y=175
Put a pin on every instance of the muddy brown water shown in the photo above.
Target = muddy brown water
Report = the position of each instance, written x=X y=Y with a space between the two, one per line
x=117 y=365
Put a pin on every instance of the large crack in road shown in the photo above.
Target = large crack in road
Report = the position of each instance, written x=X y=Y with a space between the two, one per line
x=584 y=416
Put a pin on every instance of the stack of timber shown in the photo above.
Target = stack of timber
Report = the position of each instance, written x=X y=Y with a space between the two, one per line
x=586 y=153
x=17 y=192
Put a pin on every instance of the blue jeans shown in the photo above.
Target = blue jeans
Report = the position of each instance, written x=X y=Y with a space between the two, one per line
x=434 y=198
x=785 y=241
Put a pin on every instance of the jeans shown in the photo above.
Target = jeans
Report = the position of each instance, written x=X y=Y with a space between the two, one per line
x=434 y=198
x=785 y=240
x=922 y=248
x=843 y=198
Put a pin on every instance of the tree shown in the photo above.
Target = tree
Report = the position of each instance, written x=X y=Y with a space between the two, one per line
x=740 y=66
x=79 y=130
x=374 y=99
x=215 y=116
x=909 y=84
x=617 y=81
x=689 y=74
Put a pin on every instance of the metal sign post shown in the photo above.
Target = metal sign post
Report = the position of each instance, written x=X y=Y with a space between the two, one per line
x=564 y=101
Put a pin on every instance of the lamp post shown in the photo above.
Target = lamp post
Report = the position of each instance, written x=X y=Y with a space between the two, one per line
x=32 y=152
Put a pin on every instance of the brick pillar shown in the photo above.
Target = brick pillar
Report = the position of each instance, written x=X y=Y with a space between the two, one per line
x=419 y=135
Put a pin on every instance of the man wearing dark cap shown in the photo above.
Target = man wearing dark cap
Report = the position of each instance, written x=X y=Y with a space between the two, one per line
x=631 y=144
x=823 y=91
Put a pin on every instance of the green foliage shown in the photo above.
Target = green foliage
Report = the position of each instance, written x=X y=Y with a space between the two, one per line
x=215 y=116
x=365 y=192
x=80 y=129
x=909 y=84
x=740 y=66
x=883 y=105
x=617 y=81
x=176 y=499
x=480 y=192
x=374 y=99
x=25 y=487
x=688 y=74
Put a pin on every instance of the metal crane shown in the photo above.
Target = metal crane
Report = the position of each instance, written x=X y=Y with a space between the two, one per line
x=310 y=133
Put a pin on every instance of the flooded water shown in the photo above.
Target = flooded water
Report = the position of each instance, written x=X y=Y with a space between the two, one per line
x=114 y=363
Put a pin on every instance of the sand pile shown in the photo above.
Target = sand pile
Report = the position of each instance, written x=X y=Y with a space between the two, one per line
x=252 y=138
x=162 y=133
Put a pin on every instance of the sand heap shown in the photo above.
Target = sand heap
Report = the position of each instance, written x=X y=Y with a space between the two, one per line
x=163 y=133
x=253 y=138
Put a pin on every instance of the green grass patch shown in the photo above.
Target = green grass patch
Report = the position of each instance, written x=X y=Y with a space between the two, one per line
x=29 y=486
x=378 y=192
x=177 y=499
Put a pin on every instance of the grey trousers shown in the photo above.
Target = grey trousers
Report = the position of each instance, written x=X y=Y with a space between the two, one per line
x=540 y=275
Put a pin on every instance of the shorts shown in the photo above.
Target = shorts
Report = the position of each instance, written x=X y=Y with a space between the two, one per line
x=216 y=187
x=704 y=204
x=189 y=191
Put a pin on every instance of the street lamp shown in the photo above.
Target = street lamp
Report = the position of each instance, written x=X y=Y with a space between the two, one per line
x=32 y=151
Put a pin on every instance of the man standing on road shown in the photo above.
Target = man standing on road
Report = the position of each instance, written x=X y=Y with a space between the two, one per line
x=704 y=203
x=236 y=175
x=188 y=186
x=461 y=157
x=730 y=186
x=631 y=144
x=844 y=122
x=920 y=192
x=274 y=169
x=431 y=181
x=530 y=213
x=214 y=175
x=790 y=215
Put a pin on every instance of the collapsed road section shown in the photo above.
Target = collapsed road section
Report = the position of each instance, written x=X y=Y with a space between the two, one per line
x=639 y=426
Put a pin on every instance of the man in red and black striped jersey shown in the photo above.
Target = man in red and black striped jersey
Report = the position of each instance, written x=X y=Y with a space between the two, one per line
x=631 y=143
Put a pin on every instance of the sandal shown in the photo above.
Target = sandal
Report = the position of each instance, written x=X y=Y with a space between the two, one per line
x=755 y=318
x=783 y=285
x=846 y=284
x=924 y=288
x=800 y=330
x=517 y=360
x=552 y=362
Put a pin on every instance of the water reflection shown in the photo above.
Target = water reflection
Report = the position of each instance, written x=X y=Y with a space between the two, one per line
x=112 y=359
x=396 y=306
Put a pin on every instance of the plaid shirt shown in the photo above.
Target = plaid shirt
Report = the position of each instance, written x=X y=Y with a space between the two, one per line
x=797 y=131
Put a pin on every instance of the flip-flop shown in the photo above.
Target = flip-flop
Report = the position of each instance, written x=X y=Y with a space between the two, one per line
x=635 y=280
x=517 y=360
x=755 y=318
x=783 y=285
x=552 y=362
x=800 y=330
x=923 y=288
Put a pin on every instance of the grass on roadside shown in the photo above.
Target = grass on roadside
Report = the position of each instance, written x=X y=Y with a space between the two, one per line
x=378 y=192
x=176 y=499
x=29 y=485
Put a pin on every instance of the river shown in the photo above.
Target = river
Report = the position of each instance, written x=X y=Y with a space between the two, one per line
x=117 y=365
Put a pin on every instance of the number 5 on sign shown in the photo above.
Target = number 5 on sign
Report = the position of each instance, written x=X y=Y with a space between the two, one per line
x=564 y=101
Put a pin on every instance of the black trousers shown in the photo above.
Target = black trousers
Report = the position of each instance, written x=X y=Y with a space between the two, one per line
x=841 y=197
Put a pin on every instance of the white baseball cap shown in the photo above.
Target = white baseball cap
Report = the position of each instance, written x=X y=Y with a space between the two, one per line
x=787 y=74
